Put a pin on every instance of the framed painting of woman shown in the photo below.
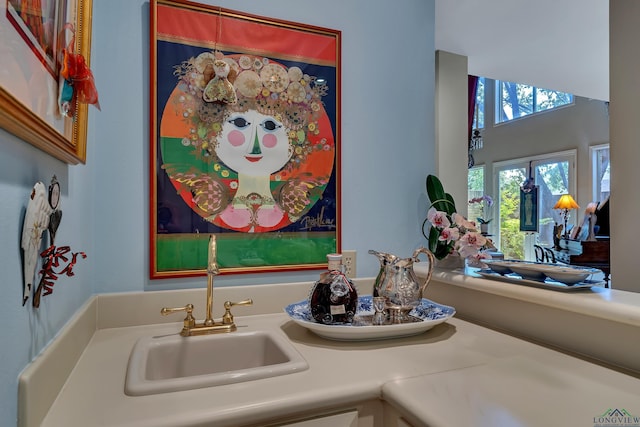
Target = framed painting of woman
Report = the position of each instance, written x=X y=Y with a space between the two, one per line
x=244 y=141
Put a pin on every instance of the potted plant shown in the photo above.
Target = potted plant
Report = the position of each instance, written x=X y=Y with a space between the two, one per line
x=485 y=202
x=449 y=233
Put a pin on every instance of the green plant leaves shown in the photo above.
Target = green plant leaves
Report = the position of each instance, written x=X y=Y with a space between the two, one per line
x=438 y=248
x=440 y=200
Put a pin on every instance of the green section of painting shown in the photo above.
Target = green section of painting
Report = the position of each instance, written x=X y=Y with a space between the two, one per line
x=182 y=156
x=239 y=250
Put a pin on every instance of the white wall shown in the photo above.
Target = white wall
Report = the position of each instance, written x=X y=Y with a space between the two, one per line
x=554 y=44
x=387 y=150
x=451 y=125
x=625 y=149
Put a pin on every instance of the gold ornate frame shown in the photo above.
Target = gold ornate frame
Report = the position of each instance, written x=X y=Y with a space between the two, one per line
x=63 y=138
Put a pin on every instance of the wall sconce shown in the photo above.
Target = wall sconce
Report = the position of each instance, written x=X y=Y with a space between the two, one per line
x=565 y=203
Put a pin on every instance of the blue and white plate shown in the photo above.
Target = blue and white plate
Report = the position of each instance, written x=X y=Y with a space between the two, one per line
x=428 y=313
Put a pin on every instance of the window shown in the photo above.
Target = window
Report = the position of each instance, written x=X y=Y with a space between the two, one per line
x=601 y=168
x=475 y=180
x=478 y=118
x=477 y=124
x=510 y=240
x=515 y=100
x=554 y=177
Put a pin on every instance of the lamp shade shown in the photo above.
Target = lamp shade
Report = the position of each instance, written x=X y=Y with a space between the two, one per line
x=566 y=202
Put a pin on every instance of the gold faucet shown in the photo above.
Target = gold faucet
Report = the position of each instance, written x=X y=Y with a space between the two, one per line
x=208 y=325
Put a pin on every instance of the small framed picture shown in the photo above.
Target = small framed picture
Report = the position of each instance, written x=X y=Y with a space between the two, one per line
x=529 y=209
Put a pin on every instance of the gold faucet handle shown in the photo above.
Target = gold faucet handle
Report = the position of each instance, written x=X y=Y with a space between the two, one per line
x=189 y=321
x=227 y=317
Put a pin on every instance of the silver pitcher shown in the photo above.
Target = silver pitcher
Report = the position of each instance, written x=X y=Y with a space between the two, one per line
x=398 y=284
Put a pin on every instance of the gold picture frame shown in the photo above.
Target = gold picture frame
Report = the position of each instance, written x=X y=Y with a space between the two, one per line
x=28 y=90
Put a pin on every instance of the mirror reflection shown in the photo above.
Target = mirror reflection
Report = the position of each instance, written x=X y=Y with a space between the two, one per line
x=524 y=137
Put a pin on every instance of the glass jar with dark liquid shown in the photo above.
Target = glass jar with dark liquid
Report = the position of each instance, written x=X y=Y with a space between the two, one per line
x=334 y=298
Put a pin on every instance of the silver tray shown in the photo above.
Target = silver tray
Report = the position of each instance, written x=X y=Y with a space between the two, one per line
x=424 y=317
x=547 y=284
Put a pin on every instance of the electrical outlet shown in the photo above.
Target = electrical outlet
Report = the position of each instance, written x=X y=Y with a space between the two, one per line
x=349 y=262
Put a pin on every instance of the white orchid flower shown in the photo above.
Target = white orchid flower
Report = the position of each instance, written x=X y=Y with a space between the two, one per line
x=449 y=234
x=438 y=219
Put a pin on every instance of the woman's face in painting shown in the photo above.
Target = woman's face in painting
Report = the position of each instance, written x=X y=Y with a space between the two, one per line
x=252 y=143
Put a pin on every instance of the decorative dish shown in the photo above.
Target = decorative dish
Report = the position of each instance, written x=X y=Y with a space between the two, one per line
x=529 y=271
x=540 y=271
x=499 y=266
x=569 y=274
x=547 y=284
x=424 y=317
x=502 y=266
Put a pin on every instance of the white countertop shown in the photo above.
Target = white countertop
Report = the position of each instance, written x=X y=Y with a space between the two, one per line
x=604 y=303
x=534 y=389
x=458 y=373
x=598 y=323
x=416 y=374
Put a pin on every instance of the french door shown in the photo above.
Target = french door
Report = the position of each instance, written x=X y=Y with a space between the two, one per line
x=554 y=174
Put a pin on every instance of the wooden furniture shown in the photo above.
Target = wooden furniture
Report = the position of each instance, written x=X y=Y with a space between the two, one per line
x=586 y=253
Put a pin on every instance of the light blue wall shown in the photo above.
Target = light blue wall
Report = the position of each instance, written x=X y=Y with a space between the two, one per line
x=387 y=130
x=25 y=330
x=387 y=147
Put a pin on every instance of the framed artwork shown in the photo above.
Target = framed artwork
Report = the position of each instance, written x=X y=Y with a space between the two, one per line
x=245 y=141
x=529 y=209
x=34 y=32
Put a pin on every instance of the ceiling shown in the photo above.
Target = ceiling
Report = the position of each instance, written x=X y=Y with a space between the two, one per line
x=553 y=44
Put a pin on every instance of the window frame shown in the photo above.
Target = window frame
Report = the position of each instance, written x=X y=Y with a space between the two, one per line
x=593 y=155
x=479 y=111
x=484 y=188
x=498 y=112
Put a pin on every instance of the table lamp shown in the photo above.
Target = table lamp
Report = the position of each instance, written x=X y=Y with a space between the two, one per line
x=565 y=203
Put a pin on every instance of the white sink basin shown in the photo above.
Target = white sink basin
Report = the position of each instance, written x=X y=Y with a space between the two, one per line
x=175 y=363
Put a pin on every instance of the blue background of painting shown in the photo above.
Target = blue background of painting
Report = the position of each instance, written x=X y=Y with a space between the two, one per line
x=169 y=55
